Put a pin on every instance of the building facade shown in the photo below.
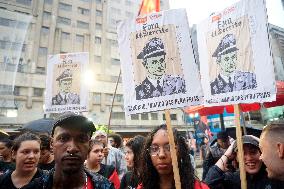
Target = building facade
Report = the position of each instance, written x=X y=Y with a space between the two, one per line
x=64 y=26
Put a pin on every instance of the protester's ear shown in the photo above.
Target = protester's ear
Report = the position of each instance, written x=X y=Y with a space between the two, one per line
x=280 y=150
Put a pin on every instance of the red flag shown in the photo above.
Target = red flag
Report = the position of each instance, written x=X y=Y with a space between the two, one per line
x=149 y=6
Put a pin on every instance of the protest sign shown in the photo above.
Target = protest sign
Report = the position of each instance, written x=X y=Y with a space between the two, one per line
x=65 y=89
x=236 y=63
x=158 y=67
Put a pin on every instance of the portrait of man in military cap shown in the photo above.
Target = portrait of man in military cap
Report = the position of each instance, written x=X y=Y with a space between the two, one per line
x=230 y=79
x=65 y=96
x=157 y=82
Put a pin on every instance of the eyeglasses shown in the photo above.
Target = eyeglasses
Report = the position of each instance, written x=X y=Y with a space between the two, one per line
x=154 y=150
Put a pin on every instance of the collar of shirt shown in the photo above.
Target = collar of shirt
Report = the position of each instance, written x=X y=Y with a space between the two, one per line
x=155 y=81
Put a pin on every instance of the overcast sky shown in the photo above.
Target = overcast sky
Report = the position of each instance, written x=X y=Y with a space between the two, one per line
x=198 y=10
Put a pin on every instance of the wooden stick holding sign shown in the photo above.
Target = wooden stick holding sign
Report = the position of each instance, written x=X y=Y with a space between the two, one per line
x=173 y=150
x=240 y=147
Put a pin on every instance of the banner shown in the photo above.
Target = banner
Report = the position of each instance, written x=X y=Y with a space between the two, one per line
x=158 y=67
x=65 y=89
x=235 y=57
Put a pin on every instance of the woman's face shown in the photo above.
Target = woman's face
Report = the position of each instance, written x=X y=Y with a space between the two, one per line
x=251 y=159
x=96 y=155
x=27 y=156
x=160 y=153
x=129 y=157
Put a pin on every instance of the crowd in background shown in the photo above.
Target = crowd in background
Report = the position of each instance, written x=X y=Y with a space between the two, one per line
x=75 y=155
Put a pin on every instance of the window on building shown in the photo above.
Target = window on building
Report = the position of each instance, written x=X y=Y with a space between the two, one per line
x=85 y=0
x=63 y=20
x=99 y=13
x=5 y=89
x=173 y=117
x=119 y=98
x=40 y=70
x=99 y=26
x=113 y=22
x=98 y=40
x=65 y=35
x=46 y=15
x=98 y=59
x=118 y=115
x=134 y=116
x=144 y=116
x=79 y=38
x=98 y=1
x=8 y=22
x=97 y=97
x=65 y=7
x=38 y=92
x=48 y=2
x=17 y=91
x=115 y=61
x=83 y=25
x=25 y=2
x=113 y=42
x=44 y=30
x=154 y=116
x=42 y=51
x=83 y=11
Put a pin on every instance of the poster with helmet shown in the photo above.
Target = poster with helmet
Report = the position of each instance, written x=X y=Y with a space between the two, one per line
x=158 y=66
x=65 y=87
x=236 y=63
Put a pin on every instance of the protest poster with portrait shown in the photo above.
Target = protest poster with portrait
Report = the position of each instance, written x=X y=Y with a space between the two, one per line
x=65 y=89
x=158 y=66
x=236 y=63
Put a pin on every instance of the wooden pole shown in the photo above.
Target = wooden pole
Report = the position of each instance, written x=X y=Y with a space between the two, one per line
x=240 y=147
x=173 y=150
x=109 y=119
x=244 y=124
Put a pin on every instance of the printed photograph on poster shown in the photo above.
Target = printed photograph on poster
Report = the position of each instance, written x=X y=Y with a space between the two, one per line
x=157 y=61
x=157 y=66
x=231 y=66
x=65 y=90
x=235 y=65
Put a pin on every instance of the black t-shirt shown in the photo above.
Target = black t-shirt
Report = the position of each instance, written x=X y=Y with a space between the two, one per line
x=47 y=166
x=6 y=181
x=128 y=181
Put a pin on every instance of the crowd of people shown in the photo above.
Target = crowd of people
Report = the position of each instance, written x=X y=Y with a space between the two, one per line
x=75 y=155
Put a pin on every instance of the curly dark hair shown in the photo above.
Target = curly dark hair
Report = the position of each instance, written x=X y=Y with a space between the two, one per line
x=136 y=145
x=150 y=176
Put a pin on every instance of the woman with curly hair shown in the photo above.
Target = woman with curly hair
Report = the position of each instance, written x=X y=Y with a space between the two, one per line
x=157 y=162
x=133 y=149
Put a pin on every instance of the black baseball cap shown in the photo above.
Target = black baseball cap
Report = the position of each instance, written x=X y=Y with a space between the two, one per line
x=248 y=139
x=72 y=120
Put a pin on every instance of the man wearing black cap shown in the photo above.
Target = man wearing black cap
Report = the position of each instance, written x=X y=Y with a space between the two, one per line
x=229 y=79
x=157 y=83
x=256 y=175
x=65 y=96
x=71 y=135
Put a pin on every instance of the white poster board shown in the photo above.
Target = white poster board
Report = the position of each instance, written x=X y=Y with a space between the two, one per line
x=158 y=67
x=236 y=63
x=65 y=87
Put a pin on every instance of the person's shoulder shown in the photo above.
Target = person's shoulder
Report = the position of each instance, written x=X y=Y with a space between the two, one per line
x=99 y=181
